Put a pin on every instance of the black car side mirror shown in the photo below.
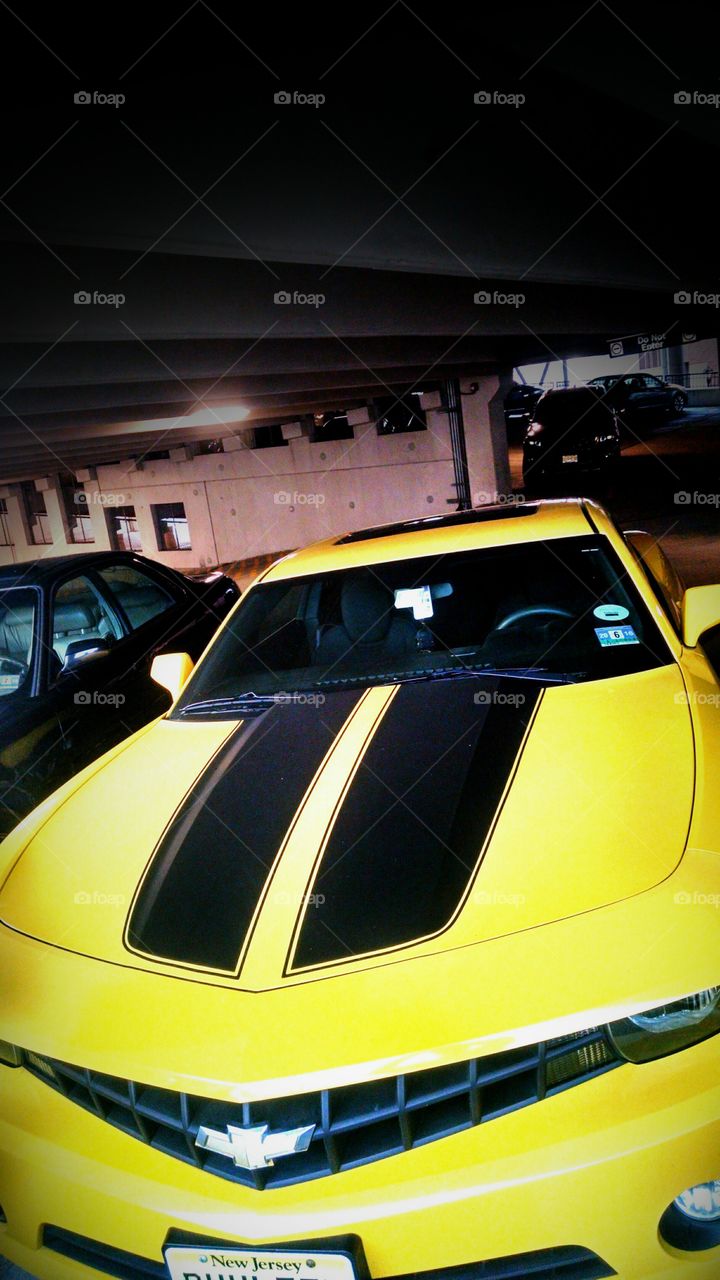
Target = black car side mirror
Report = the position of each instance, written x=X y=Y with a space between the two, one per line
x=81 y=651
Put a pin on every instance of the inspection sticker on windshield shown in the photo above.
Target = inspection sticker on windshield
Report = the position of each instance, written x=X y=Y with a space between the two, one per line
x=611 y=612
x=419 y=599
x=616 y=635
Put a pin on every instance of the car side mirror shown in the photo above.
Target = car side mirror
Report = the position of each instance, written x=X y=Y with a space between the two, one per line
x=700 y=612
x=171 y=670
x=79 y=652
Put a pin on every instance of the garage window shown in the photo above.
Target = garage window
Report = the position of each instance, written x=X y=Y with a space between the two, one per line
x=330 y=426
x=171 y=527
x=269 y=437
x=123 y=529
x=36 y=514
x=5 y=539
x=395 y=417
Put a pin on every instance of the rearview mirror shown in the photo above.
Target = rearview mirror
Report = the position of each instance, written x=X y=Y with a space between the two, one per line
x=171 y=670
x=700 y=612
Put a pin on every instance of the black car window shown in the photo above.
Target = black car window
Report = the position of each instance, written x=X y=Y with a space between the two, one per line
x=18 y=617
x=140 y=597
x=79 y=617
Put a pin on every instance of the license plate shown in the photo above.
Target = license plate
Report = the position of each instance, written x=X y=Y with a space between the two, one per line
x=219 y=1262
x=569 y=457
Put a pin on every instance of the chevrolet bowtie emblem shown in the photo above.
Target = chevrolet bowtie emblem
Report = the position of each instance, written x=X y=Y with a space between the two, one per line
x=254 y=1147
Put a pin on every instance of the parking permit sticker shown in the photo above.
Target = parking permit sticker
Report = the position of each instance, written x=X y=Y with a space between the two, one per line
x=419 y=599
x=615 y=635
x=611 y=612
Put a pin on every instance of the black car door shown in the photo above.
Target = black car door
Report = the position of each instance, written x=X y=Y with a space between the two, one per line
x=31 y=760
x=85 y=643
x=658 y=394
x=159 y=613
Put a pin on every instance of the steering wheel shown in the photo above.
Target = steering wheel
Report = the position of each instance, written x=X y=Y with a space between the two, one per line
x=533 y=611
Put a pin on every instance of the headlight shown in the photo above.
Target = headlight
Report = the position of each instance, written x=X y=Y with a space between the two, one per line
x=668 y=1028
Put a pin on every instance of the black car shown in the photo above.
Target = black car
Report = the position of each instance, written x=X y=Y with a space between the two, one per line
x=636 y=395
x=519 y=404
x=572 y=431
x=77 y=637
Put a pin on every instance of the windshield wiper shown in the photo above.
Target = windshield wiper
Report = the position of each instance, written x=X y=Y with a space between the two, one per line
x=520 y=673
x=245 y=703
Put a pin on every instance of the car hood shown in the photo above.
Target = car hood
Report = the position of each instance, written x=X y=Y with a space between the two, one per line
x=387 y=824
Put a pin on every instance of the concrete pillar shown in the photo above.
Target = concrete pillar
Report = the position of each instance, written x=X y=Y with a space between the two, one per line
x=486 y=437
x=49 y=486
x=20 y=548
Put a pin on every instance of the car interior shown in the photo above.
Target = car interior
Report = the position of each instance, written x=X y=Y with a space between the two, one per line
x=81 y=616
x=17 y=626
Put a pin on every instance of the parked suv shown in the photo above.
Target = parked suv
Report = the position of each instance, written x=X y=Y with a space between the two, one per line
x=572 y=430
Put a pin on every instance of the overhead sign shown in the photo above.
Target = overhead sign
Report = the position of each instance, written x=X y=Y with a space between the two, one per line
x=636 y=343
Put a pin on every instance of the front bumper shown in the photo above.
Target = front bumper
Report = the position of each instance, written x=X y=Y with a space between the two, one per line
x=593 y=1167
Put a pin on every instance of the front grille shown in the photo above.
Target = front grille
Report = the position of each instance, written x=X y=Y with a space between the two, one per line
x=354 y=1124
x=568 y=1262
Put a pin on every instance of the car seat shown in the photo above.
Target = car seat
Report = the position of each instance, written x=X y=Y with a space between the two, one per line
x=371 y=628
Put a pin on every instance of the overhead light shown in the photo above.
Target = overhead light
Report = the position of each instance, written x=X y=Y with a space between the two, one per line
x=208 y=417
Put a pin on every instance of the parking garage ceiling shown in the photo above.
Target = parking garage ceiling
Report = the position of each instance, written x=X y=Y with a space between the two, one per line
x=200 y=198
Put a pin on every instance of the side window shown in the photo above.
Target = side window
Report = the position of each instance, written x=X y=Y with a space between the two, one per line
x=81 y=620
x=140 y=597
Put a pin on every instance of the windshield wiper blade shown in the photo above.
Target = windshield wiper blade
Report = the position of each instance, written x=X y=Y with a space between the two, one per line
x=245 y=702
x=519 y=673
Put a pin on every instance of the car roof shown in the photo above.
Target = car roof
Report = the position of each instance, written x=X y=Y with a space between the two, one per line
x=47 y=567
x=498 y=524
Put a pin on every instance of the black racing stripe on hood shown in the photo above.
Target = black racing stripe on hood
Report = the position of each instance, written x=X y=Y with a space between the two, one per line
x=407 y=840
x=199 y=894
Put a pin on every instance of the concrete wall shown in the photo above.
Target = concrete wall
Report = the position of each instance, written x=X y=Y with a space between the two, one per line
x=250 y=502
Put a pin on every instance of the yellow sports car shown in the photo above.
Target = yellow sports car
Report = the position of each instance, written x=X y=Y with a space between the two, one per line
x=393 y=948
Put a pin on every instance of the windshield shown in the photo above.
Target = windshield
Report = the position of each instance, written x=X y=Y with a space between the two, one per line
x=18 y=607
x=557 y=610
x=584 y=410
